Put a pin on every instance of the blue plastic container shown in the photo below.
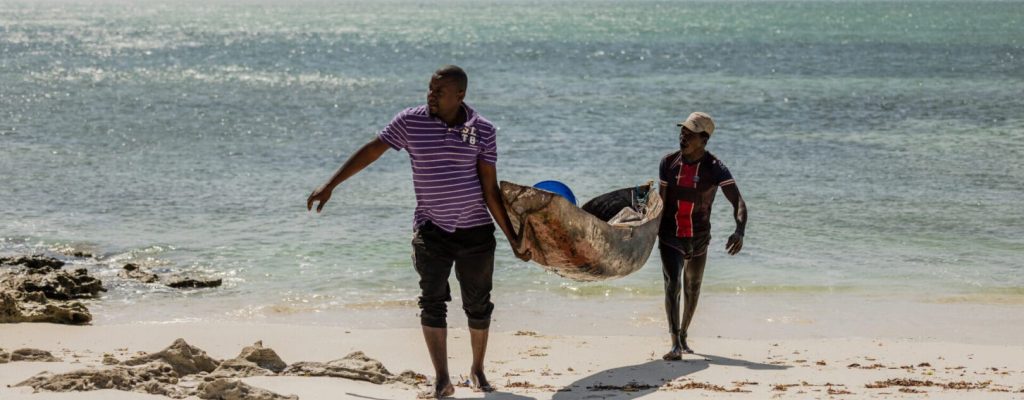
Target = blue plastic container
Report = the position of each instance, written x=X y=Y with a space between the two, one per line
x=558 y=188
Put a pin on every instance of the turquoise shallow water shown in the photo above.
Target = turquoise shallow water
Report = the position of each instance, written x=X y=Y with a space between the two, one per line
x=878 y=144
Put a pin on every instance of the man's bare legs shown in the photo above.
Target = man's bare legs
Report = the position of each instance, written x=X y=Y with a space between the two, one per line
x=478 y=339
x=437 y=345
x=693 y=273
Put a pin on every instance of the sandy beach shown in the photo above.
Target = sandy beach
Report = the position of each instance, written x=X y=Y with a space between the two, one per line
x=537 y=365
x=156 y=159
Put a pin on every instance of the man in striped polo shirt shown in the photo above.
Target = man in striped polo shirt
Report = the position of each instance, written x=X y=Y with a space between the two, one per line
x=453 y=150
x=690 y=178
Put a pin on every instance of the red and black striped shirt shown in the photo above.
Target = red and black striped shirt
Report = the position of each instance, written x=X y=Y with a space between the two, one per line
x=690 y=191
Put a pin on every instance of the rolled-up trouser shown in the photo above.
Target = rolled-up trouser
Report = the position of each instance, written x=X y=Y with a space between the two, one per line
x=472 y=252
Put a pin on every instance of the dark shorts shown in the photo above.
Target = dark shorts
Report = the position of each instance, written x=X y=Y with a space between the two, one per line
x=688 y=247
x=471 y=250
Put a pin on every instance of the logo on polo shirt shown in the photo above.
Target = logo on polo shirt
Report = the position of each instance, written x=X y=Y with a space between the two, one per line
x=469 y=135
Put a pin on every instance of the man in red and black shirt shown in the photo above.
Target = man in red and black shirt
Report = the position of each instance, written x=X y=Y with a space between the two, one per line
x=690 y=178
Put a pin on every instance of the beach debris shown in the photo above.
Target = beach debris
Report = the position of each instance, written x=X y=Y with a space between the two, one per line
x=411 y=378
x=5 y=357
x=223 y=389
x=184 y=358
x=783 y=387
x=34 y=261
x=632 y=386
x=527 y=385
x=902 y=382
x=356 y=366
x=833 y=391
x=821 y=363
x=35 y=355
x=154 y=378
x=132 y=271
x=525 y=333
x=536 y=351
x=963 y=385
x=254 y=360
x=109 y=359
x=872 y=366
x=691 y=385
x=192 y=283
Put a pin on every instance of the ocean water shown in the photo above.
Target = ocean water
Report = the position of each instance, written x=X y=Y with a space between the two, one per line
x=878 y=144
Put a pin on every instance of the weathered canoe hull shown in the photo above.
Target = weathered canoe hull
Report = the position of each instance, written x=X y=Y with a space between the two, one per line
x=576 y=244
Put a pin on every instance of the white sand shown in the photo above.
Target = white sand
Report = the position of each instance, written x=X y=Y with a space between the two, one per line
x=543 y=366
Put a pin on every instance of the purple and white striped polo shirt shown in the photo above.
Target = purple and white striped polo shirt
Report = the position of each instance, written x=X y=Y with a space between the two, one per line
x=448 y=191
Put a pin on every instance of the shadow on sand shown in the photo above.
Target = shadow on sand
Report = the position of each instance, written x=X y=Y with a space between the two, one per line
x=647 y=377
x=461 y=392
x=506 y=396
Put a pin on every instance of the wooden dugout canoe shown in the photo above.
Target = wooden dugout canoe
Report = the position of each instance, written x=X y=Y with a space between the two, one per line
x=578 y=242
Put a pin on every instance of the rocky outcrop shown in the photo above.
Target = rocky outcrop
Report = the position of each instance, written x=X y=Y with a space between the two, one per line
x=254 y=360
x=72 y=251
x=236 y=368
x=55 y=284
x=184 y=358
x=132 y=271
x=192 y=283
x=35 y=307
x=109 y=359
x=355 y=366
x=161 y=373
x=223 y=389
x=154 y=378
x=263 y=357
x=32 y=355
x=41 y=292
x=32 y=262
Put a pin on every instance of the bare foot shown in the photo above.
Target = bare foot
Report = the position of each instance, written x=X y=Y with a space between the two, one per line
x=686 y=348
x=443 y=389
x=675 y=354
x=479 y=382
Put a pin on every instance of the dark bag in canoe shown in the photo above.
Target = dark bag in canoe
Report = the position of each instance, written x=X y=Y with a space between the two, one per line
x=610 y=236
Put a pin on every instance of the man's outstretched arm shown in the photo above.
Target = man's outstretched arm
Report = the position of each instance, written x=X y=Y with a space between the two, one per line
x=496 y=205
x=366 y=155
x=739 y=212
